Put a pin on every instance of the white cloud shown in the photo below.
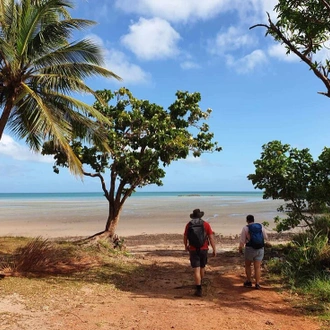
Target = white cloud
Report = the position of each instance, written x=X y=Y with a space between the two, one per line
x=249 y=11
x=11 y=148
x=322 y=55
x=130 y=73
x=230 y=40
x=117 y=62
x=174 y=10
x=152 y=39
x=187 y=65
x=247 y=63
x=252 y=12
x=268 y=6
x=279 y=51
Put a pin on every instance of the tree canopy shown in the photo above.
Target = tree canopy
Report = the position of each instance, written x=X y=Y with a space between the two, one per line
x=303 y=27
x=143 y=139
x=40 y=72
x=291 y=175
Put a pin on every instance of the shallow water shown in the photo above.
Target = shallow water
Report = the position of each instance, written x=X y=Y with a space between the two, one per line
x=81 y=215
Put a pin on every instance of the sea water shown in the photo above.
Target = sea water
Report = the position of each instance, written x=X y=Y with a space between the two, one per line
x=142 y=211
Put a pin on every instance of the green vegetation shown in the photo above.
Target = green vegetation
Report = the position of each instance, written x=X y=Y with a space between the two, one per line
x=303 y=28
x=41 y=70
x=304 y=265
x=291 y=175
x=142 y=139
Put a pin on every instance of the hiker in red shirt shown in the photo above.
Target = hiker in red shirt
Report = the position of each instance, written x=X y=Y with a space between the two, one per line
x=196 y=238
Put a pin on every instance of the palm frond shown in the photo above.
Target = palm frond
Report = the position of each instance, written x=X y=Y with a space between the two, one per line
x=40 y=70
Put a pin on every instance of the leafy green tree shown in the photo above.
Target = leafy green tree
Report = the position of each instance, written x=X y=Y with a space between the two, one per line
x=40 y=71
x=303 y=27
x=143 y=138
x=292 y=175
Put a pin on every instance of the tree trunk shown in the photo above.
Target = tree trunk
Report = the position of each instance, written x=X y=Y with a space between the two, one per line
x=113 y=217
x=4 y=117
x=112 y=225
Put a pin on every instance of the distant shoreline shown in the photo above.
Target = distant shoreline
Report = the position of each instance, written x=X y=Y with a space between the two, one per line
x=165 y=214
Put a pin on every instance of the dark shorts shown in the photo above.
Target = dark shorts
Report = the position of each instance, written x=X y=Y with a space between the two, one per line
x=198 y=258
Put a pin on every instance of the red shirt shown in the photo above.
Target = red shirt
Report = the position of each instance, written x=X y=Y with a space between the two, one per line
x=208 y=231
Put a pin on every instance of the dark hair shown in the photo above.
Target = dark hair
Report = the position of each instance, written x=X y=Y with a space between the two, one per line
x=250 y=218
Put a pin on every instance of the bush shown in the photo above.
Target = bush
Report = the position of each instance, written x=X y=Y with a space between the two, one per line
x=40 y=256
x=321 y=225
x=319 y=288
x=305 y=258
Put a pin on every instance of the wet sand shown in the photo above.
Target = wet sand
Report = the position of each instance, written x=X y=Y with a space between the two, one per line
x=51 y=219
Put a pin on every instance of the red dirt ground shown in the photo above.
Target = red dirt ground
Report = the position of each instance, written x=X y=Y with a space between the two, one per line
x=161 y=297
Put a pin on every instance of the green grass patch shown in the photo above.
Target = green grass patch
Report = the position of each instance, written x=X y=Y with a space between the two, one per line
x=300 y=267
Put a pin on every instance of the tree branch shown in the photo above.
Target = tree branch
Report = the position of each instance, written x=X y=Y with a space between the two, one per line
x=99 y=175
x=304 y=57
x=327 y=5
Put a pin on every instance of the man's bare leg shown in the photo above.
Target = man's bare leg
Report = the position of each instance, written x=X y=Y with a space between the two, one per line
x=248 y=270
x=198 y=275
x=257 y=271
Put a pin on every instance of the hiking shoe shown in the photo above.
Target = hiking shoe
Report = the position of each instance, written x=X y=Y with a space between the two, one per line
x=198 y=293
x=258 y=287
x=247 y=284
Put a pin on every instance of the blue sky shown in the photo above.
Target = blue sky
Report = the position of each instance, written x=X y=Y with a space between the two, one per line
x=256 y=91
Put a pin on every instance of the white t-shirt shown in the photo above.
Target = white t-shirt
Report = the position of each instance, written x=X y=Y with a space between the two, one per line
x=245 y=236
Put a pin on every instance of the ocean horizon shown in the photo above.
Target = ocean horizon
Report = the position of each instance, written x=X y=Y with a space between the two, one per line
x=139 y=194
x=82 y=213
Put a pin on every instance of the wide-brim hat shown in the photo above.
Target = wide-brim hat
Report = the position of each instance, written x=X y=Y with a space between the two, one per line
x=197 y=213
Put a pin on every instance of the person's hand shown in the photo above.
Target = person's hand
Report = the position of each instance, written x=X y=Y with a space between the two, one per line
x=240 y=250
x=214 y=253
x=187 y=248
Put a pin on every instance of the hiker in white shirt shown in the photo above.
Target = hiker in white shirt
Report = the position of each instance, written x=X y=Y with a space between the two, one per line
x=253 y=253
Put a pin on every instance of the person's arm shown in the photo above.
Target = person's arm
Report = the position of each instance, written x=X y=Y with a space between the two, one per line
x=264 y=234
x=185 y=242
x=242 y=240
x=212 y=242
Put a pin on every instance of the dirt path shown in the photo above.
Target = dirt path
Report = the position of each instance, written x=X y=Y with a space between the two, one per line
x=160 y=296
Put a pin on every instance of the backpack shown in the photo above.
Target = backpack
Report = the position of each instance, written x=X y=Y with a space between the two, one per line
x=196 y=233
x=256 y=236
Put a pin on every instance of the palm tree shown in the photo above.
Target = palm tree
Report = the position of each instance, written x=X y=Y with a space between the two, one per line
x=41 y=73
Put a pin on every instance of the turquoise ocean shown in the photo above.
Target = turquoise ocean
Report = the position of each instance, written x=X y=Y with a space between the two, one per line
x=57 y=214
x=98 y=195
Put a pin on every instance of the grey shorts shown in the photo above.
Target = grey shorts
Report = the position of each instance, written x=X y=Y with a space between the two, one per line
x=252 y=254
x=198 y=258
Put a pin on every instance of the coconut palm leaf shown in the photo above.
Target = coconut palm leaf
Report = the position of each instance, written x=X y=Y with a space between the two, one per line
x=41 y=70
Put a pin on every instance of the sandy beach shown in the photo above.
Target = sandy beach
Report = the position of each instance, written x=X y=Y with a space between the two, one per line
x=51 y=219
x=151 y=287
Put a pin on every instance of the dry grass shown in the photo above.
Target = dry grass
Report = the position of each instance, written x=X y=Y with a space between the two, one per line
x=40 y=257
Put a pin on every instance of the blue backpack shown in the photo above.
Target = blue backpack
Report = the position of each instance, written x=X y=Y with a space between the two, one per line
x=256 y=236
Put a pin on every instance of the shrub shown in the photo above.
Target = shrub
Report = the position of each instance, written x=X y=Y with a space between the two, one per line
x=40 y=256
x=305 y=257
x=322 y=225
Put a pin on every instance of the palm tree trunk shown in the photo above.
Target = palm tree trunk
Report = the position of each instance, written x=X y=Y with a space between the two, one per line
x=4 y=118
